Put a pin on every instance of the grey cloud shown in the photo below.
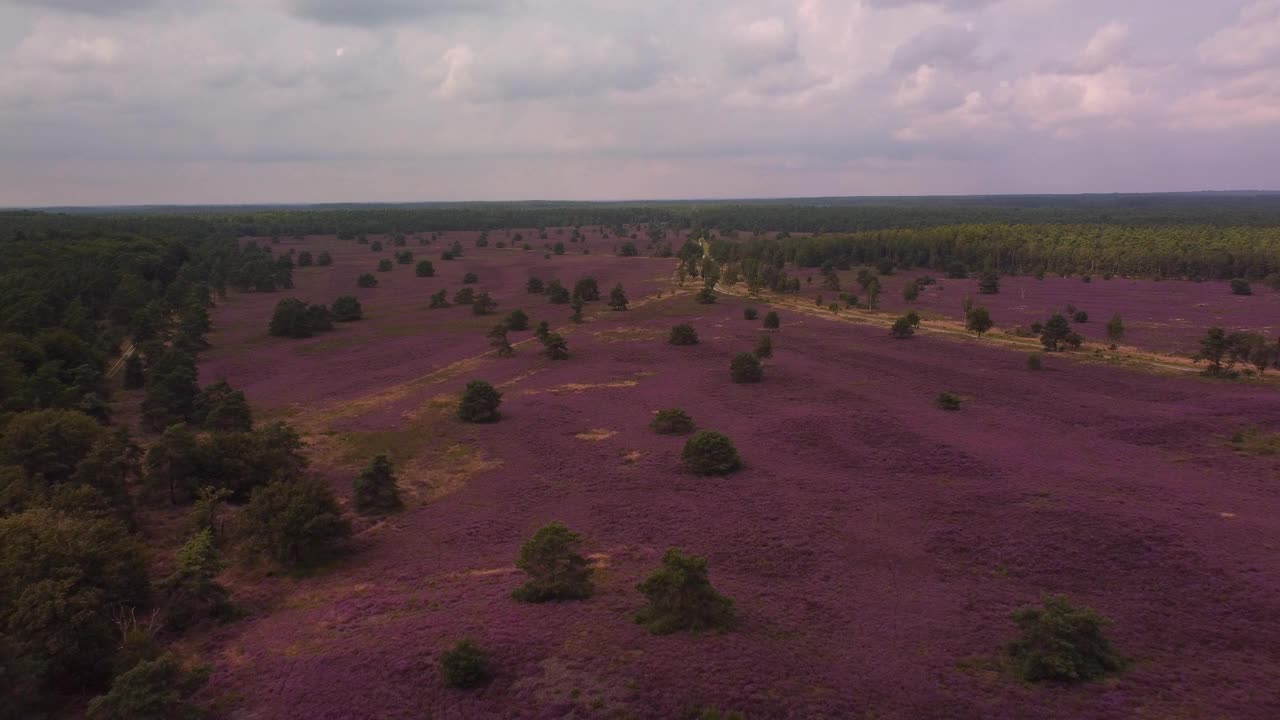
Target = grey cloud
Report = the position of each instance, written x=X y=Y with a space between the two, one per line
x=90 y=7
x=950 y=4
x=946 y=45
x=371 y=13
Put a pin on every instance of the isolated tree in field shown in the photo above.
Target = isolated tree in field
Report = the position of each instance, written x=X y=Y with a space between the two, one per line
x=750 y=313
x=947 y=401
x=483 y=304
x=978 y=320
x=617 y=298
x=290 y=319
x=705 y=296
x=367 y=280
x=558 y=248
x=319 y=319
x=558 y=294
x=305 y=259
x=542 y=330
x=681 y=598
x=324 y=259
x=376 y=246
x=384 y=265
x=628 y=249
x=1062 y=642
x=577 y=305
x=1080 y=316
x=1056 y=333
x=1115 y=328
x=534 y=286
x=470 y=279
x=295 y=523
x=479 y=403
x=1256 y=351
x=556 y=569
x=1220 y=350
x=374 y=490
x=989 y=283
x=439 y=300
x=347 y=309
x=464 y=665
x=1034 y=362
x=746 y=368
x=711 y=453
x=911 y=292
x=902 y=328
x=763 y=348
x=672 y=421
x=153 y=689
x=873 y=293
x=771 y=321
x=683 y=335
x=586 y=289
x=447 y=255
x=404 y=257
x=555 y=346
x=1240 y=286
x=465 y=296
x=499 y=341
x=517 y=321
x=425 y=268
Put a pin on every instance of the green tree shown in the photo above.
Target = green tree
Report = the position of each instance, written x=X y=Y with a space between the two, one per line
x=499 y=341
x=1115 y=328
x=978 y=320
x=470 y=279
x=556 y=568
x=171 y=389
x=374 y=490
x=159 y=689
x=683 y=335
x=1220 y=350
x=465 y=296
x=628 y=249
x=290 y=319
x=439 y=300
x=989 y=283
x=558 y=294
x=425 y=268
x=192 y=591
x=324 y=259
x=483 y=304
x=534 y=286
x=222 y=408
x=746 y=368
x=173 y=464
x=464 y=665
x=711 y=453
x=672 y=421
x=49 y=444
x=1240 y=286
x=305 y=259
x=586 y=289
x=617 y=298
x=763 y=348
x=296 y=524
x=902 y=328
x=134 y=374
x=1063 y=642
x=681 y=597
x=517 y=321
x=555 y=346
x=911 y=291
x=750 y=313
x=384 y=265
x=367 y=280
x=771 y=320
x=479 y=403
x=347 y=309
x=1056 y=334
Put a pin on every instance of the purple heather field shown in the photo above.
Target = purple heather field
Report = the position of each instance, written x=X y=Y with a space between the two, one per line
x=873 y=544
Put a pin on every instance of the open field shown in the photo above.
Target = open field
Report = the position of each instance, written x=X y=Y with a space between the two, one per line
x=873 y=544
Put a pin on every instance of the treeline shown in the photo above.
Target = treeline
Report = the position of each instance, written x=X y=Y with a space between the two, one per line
x=1194 y=252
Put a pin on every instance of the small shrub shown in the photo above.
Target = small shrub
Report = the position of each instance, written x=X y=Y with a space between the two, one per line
x=711 y=453
x=705 y=296
x=425 y=268
x=159 y=689
x=750 y=313
x=517 y=321
x=617 y=298
x=534 y=286
x=947 y=401
x=347 y=309
x=902 y=328
x=404 y=257
x=1060 y=641
x=374 y=489
x=672 y=421
x=1240 y=286
x=746 y=368
x=1081 y=316
x=465 y=665
x=681 y=597
x=763 y=348
x=556 y=569
x=479 y=403
x=586 y=289
x=555 y=346
x=324 y=259
x=911 y=292
x=439 y=300
x=305 y=259
x=470 y=279
x=464 y=296
x=483 y=304
x=989 y=283
x=367 y=280
x=1034 y=362
x=376 y=246
x=1115 y=327
x=978 y=320
x=771 y=320
x=1254 y=441
x=384 y=265
x=683 y=335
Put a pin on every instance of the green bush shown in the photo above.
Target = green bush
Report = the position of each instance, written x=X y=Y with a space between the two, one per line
x=1081 y=316
x=439 y=300
x=683 y=335
x=989 y=283
x=324 y=259
x=384 y=265
x=750 y=313
x=672 y=421
x=294 y=523
x=1240 y=286
x=470 y=279
x=479 y=403
x=482 y=304
x=1063 y=642
x=534 y=286
x=705 y=296
x=517 y=321
x=586 y=289
x=978 y=320
x=555 y=346
x=464 y=666
x=465 y=296
x=425 y=268
x=617 y=298
x=902 y=328
x=347 y=309
x=192 y=592
x=947 y=401
x=711 y=453
x=555 y=568
x=374 y=489
x=746 y=368
x=367 y=280
x=681 y=597
x=771 y=321
x=159 y=689
x=764 y=347
x=1034 y=362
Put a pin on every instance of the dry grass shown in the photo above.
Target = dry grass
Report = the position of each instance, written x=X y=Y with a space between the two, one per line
x=596 y=434
x=1255 y=441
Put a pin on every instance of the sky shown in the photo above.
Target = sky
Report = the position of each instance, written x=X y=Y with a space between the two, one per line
x=273 y=101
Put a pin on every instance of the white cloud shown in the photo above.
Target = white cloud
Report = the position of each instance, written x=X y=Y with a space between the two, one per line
x=1252 y=43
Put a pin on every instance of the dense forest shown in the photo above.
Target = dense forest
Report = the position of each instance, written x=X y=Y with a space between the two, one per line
x=100 y=307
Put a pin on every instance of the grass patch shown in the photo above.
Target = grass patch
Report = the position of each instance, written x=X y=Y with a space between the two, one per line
x=1255 y=441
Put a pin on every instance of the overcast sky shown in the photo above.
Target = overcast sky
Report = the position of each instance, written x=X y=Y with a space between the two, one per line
x=225 y=101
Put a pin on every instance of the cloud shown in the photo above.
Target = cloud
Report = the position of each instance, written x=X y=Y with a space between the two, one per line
x=760 y=44
x=90 y=7
x=944 y=45
x=1108 y=46
x=948 y=4
x=1252 y=43
x=370 y=13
